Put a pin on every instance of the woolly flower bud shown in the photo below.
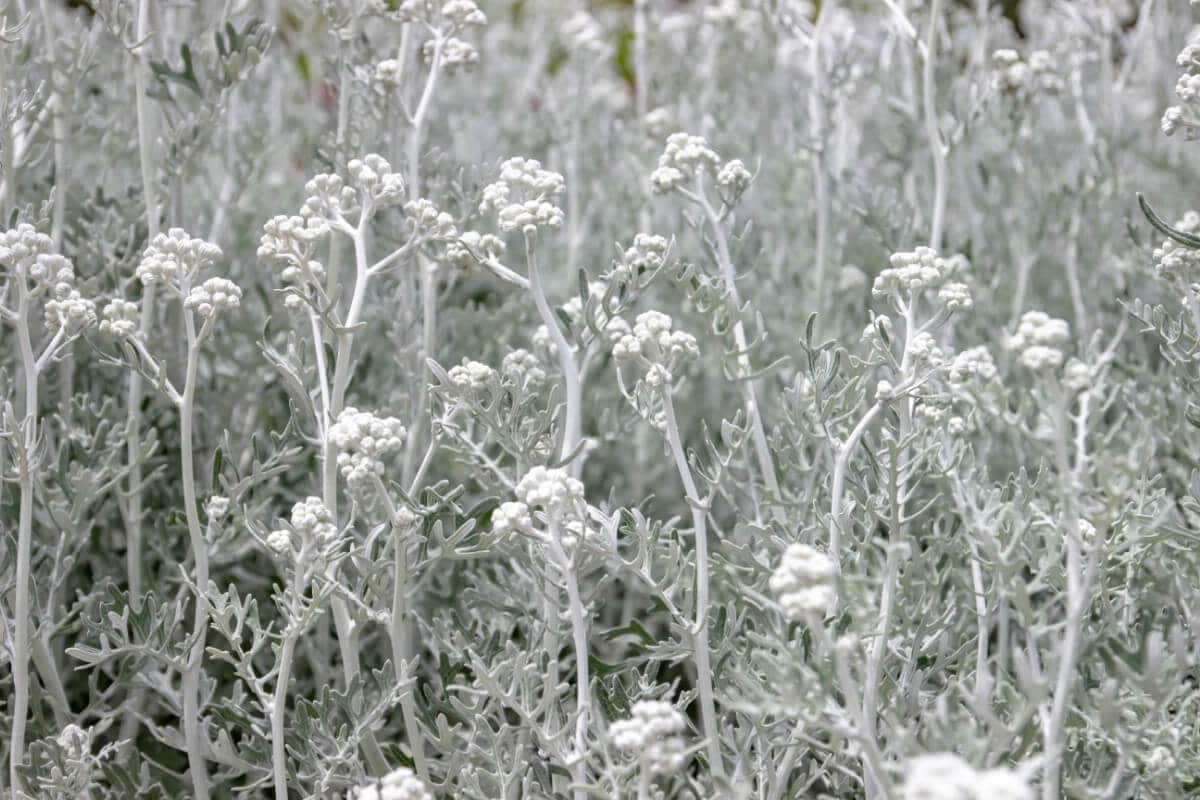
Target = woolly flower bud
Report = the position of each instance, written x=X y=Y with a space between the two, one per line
x=654 y=732
x=363 y=441
x=217 y=506
x=1040 y=340
x=913 y=272
x=21 y=246
x=956 y=296
x=399 y=784
x=70 y=311
x=583 y=34
x=373 y=176
x=427 y=219
x=470 y=247
x=924 y=350
x=74 y=741
x=510 y=518
x=734 y=178
x=1014 y=76
x=329 y=198
x=804 y=582
x=1173 y=260
x=280 y=541
x=647 y=253
x=172 y=255
x=471 y=376
x=121 y=319
x=550 y=489
x=686 y=157
x=1077 y=376
x=657 y=122
x=312 y=520
x=523 y=196
x=51 y=269
x=464 y=13
x=523 y=368
x=940 y=776
x=389 y=73
x=884 y=391
x=455 y=53
x=974 y=364
x=213 y=296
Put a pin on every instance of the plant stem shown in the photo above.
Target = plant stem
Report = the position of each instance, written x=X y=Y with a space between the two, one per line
x=20 y=660
x=704 y=677
x=192 y=674
x=278 y=711
x=936 y=146
x=818 y=134
x=573 y=426
x=402 y=650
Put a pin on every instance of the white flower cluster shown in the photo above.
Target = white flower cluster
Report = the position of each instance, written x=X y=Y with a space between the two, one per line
x=1174 y=261
x=523 y=196
x=685 y=158
x=290 y=240
x=121 y=319
x=471 y=376
x=582 y=34
x=373 y=177
x=373 y=185
x=1185 y=116
x=456 y=14
x=311 y=520
x=510 y=518
x=70 y=310
x=945 y=776
x=552 y=490
x=1017 y=77
x=1040 y=340
x=654 y=732
x=803 y=582
x=25 y=250
x=174 y=255
x=647 y=253
x=523 y=368
x=455 y=53
x=363 y=440
x=399 y=784
x=974 y=365
x=922 y=269
x=431 y=222
x=653 y=343
x=212 y=297
x=471 y=247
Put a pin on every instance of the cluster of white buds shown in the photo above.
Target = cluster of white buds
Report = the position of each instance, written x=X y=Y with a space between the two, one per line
x=25 y=249
x=363 y=440
x=912 y=273
x=511 y=518
x=212 y=297
x=1040 y=341
x=523 y=196
x=1186 y=115
x=653 y=343
x=658 y=122
x=551 y=490
x=925 y=352
x=471 y=376
x=945 y=776
x=647 y=253
x=311 y=521
x=803 y=582
x=1077 y=376
x=121 y=319
x=974 y=365
x=582 y=34
x=399 y=784
x=523 y=368
x=69 y=310
x=329 y=198
x=174 y=256
x=429 y=221
x=654 y=733
x=455 y=53
x=454 y=14
x=1174 y=261
x=376 y=183
x=472 y=247
x=1022 y=78
x=290 y=240
x=217 y=506
x=389 y=73
x=734 y=179
x=683 y=161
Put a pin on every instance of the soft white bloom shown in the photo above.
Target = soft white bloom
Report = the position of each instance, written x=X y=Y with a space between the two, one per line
x=1077 y=376
x=174 y=254
x=389 y=72
x=121 y=319
x=956 y=296
x=312 y=520
x=213 y=296
x=22 y=246
x=913 y=272
x=372 y=175
x=973 y=365
x=511 y=517
x=803 y=582
x=654 y=733
x=523 y=368
x=329 y=198
x=471 y=376
x=363 y=441
x=658 y=122
x=552 y=490
x=1020 y=78
x=734 y=178
x=217 y=506
x=455 y=53
x=399 y=784
x=1173 y=260
x=280 y=541
x=939 y=776
x=1040 y=340
x=523 y=196
x=70 y=311
x=464 y=13
x=685 y=158
x=470 y=247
